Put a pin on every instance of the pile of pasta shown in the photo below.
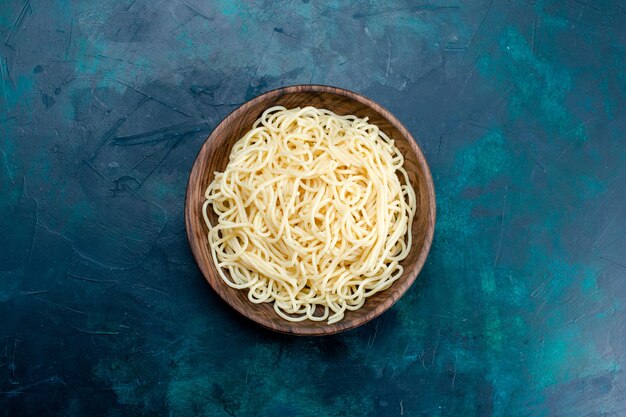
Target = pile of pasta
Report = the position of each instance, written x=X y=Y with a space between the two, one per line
x=314 y=213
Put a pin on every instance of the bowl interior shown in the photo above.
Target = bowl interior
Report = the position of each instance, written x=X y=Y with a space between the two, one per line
x=214 y=157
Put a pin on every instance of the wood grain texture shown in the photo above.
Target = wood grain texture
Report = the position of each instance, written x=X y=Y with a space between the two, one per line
x=213 y=157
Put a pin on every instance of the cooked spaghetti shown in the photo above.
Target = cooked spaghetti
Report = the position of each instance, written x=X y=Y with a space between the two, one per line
x=314 y=213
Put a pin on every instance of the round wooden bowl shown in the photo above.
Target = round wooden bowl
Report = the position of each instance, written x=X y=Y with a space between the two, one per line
x=214 y=157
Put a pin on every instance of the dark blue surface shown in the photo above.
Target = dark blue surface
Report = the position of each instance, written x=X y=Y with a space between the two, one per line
x=518 y=106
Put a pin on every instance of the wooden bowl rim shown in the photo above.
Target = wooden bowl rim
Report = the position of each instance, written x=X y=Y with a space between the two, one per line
x=293 y=328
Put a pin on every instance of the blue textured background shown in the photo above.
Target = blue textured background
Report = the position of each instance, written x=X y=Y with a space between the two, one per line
x=519 y=107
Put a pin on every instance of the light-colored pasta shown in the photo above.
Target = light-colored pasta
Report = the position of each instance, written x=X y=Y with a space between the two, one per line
x=314 y=213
